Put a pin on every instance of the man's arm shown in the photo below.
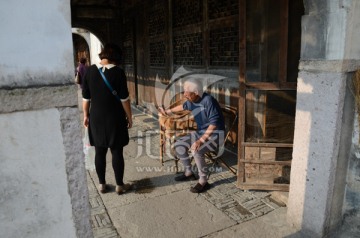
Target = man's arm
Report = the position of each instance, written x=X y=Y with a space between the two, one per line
x=203 y=138
x=178 y=108
x=208 y=133
x=169 y=111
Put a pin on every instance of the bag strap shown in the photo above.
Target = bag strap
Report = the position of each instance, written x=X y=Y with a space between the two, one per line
x=113 y=92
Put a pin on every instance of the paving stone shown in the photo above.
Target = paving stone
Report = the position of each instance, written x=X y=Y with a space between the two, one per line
x=101 y=220
x=261 y=194
x=252 y=203
x=226 y=204
x=272 y=203
x=242 y=197
x=229 y=199
x=260 y=210
x=214 y=195
x=98 y=210
x=239 y=213
x=108 y=232
x=96 y=202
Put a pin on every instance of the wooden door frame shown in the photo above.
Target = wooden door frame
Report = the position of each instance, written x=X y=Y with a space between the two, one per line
x=282 y=84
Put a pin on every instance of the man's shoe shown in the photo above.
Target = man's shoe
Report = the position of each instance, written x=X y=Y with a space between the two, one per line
x=198 y=188
x=183 y=177
x=123 y=188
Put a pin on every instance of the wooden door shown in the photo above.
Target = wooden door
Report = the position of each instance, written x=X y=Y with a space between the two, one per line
x=268 y=74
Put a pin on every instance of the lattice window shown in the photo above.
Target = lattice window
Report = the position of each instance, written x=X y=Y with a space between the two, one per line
x=218 y=9
x=128 y=49
x=188 y=49
x=156 y=18
x=186 y=12
x=224 y=46
x=127 y=31
x=161 y=75
x=157 y=54
x=128 y=52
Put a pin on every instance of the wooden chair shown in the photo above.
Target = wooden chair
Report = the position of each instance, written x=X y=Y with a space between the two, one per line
x=231 y=118
x=172 y=126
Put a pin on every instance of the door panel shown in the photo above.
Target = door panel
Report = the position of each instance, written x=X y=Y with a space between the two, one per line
x=267 y=102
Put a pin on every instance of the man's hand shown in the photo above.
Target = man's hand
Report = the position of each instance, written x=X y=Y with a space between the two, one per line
x=195 y=147
x=161 y=111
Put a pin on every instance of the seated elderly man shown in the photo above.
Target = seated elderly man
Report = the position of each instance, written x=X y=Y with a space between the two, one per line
x=209 y=134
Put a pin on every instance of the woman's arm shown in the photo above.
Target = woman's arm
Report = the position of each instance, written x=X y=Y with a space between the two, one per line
x=86 y=107
x=127 y=109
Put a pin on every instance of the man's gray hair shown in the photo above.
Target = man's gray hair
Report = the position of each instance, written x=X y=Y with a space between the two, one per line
x=194 y=85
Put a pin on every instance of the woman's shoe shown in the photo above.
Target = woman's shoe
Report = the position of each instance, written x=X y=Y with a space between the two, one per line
x=102 y=188
x=123 y=188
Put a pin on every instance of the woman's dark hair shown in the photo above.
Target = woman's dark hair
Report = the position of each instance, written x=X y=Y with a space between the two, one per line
x=112 y=52
x=83 y=60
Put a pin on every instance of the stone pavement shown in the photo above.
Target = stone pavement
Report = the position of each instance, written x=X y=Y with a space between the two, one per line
x=160 y=207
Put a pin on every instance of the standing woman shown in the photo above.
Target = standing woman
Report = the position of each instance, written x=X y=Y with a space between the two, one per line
x=106 y=117
x=81 y=70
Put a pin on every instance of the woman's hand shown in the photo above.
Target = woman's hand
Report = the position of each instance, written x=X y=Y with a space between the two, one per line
x=86 y=121
x=130 y=122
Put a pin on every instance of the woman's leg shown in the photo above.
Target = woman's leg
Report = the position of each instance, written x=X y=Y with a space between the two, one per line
x=100 y=163
x=118 y=165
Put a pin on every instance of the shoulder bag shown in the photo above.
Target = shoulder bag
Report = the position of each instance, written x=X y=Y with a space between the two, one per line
x=113 y=92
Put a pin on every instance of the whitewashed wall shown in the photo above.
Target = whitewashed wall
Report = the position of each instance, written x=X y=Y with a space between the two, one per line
x=93 y=42
x=324 y=116
x=42 y=175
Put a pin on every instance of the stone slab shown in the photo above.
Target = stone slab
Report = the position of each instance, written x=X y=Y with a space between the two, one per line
x=271 y=225
x=42 y=97
x=181 y=214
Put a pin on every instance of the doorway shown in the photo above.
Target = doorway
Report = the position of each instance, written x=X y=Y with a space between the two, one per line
x=270 y=52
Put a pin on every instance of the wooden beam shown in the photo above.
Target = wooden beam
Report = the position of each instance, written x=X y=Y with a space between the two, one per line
x=242 y=70
x=249 y=144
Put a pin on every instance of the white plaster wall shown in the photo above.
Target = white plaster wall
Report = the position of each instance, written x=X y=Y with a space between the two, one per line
x=95 y=49
x=329 y=53
x=93 y=42
x=352 y=46
x=320 y=99
x=36 y=44
x=329 y=30
x=335 y=34
x=43 y=187
x=83 y=33
x=34 y=199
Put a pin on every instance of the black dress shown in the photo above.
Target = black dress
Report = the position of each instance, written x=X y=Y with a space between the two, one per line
x=107 y=123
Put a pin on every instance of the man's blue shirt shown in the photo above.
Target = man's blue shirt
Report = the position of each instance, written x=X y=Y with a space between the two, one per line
x=206 y=111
